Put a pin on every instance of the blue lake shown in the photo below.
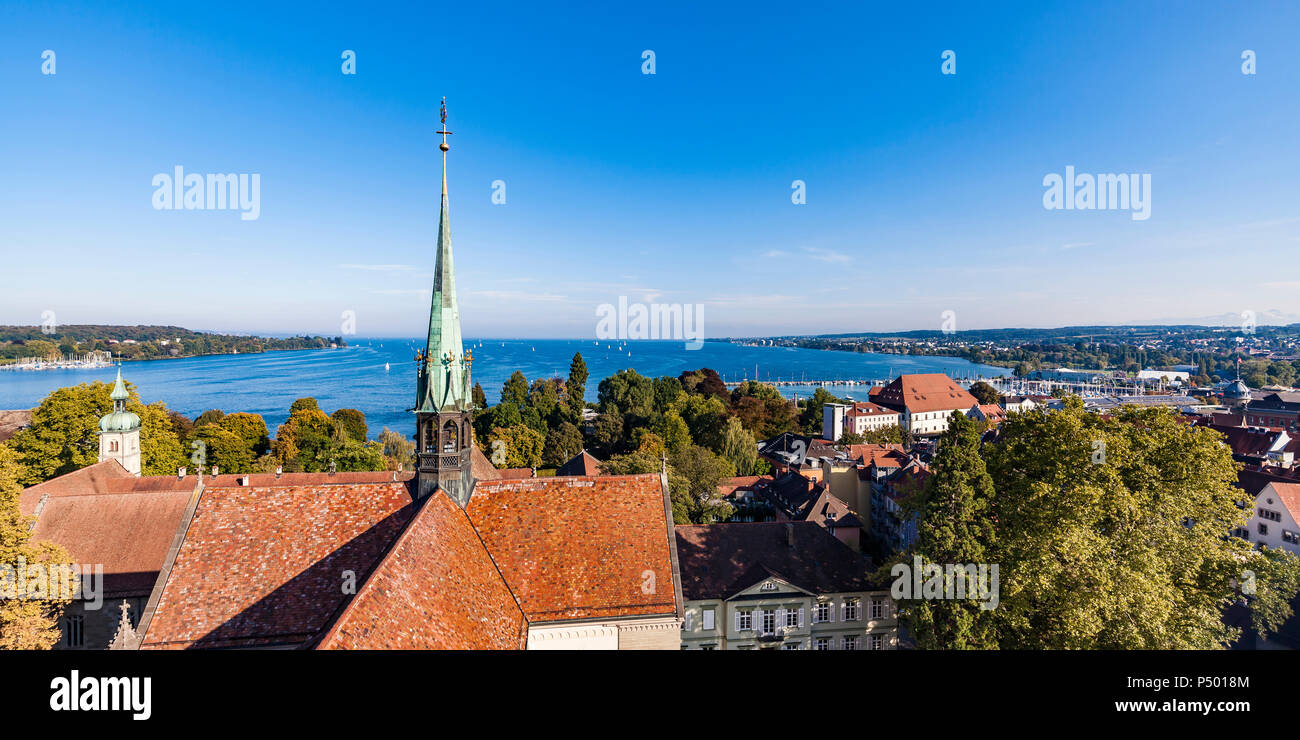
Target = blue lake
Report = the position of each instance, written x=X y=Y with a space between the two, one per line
x=355 y=377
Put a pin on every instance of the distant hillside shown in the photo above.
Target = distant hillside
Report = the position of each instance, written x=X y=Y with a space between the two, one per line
x=141 y=342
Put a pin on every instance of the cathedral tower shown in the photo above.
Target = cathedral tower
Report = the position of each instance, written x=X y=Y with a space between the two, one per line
x=444 y=436
x=119 y=431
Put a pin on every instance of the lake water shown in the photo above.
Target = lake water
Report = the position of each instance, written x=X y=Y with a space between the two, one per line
x=354 y=376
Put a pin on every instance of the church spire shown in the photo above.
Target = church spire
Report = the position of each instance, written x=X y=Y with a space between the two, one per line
x=444 y=369
x=444 y=405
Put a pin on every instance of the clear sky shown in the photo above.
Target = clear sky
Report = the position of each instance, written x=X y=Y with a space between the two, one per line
x=924 y=190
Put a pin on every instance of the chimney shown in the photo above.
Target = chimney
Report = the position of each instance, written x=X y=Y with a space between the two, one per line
x=278 y=471
x=789 y=535
x=245 y=480
x=180 y=473
x=215 y=471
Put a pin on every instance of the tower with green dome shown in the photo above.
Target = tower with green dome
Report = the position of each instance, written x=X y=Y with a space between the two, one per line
x=444 y=435
x=119 y=431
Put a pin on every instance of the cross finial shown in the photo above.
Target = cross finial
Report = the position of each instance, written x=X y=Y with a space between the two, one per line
x=445 y=133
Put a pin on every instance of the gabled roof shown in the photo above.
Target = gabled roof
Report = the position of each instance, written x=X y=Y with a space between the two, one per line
x=267 y=565
x=583 y=463
x=882 y=456
x=718 y=560
x=1289 y=493
x=257 y=566
x=105 y=516
x=580 y=547
x=437 y=588
x=925 y=392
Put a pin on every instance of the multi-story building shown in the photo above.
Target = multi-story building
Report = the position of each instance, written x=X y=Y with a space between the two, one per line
x=858 y=418
x=1275 y=521
x=1281 y=410
x=925 y=402
x=779 y=586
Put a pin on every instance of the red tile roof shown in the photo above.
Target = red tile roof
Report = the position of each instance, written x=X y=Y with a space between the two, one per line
x=12 y=420
x=884 y=456
x=515 y=473
x=268 y=565
x=107 y=517
x=582 y=463
x=436 y=589
x=743 y=482
x=580 y=547
x=1290 y=495
x=925 y=392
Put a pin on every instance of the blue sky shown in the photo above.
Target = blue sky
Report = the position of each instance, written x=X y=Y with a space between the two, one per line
x=924 y=190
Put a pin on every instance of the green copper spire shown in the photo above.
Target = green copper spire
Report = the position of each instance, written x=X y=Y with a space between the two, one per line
x=119 y=393
x=443 y=377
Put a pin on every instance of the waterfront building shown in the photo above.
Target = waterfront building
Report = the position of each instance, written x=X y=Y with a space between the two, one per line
x=926 y=401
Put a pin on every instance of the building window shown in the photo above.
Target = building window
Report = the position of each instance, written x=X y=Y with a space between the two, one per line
x=769 y=621
x=708 y=619
x=688 y=623
x=744 y=620
x=878 y=608
x=822 y=643
x=708 y=646
x=877 y=642
x=792 y=617
x=851 y=611
x=73 y=631
x=851 y=643
x=1263 y=528
x=1241 y=532
x=822 y=611
x=1290 y=537
x=790 y=646
x=1270 y=515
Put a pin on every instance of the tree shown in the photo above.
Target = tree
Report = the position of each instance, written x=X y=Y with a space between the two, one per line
x=515 y=390
x=251 y=429
x=520 y=447
x=703 y=381
x=350 y=455
x=64 y=432
x=162 y=452
x=672 y=429
x=739 y=447
x=693 y=478
x=211 y=416
x=301 y=440
x=1111 y=531
x=955 y=528
x=26 y=623
x=479 y=397
x=575 y=388
x=607 y=433
x=399 y=451
x=705 y=416
x=985 y=393
x=303 y=404
x=562 y=443
x=353 y=423
x=224 y=449
x=667 y=390
x=629 y=393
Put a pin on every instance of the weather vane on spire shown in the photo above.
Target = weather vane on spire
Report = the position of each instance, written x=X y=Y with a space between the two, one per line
x=445 y=133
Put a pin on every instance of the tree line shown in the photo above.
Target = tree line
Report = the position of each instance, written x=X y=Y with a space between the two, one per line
x=1109 y=532
x=63 y=437
x=141 y=342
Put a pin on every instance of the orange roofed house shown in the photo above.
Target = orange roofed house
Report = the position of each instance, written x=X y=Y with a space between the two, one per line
x=925 y=402
x=453 y=555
